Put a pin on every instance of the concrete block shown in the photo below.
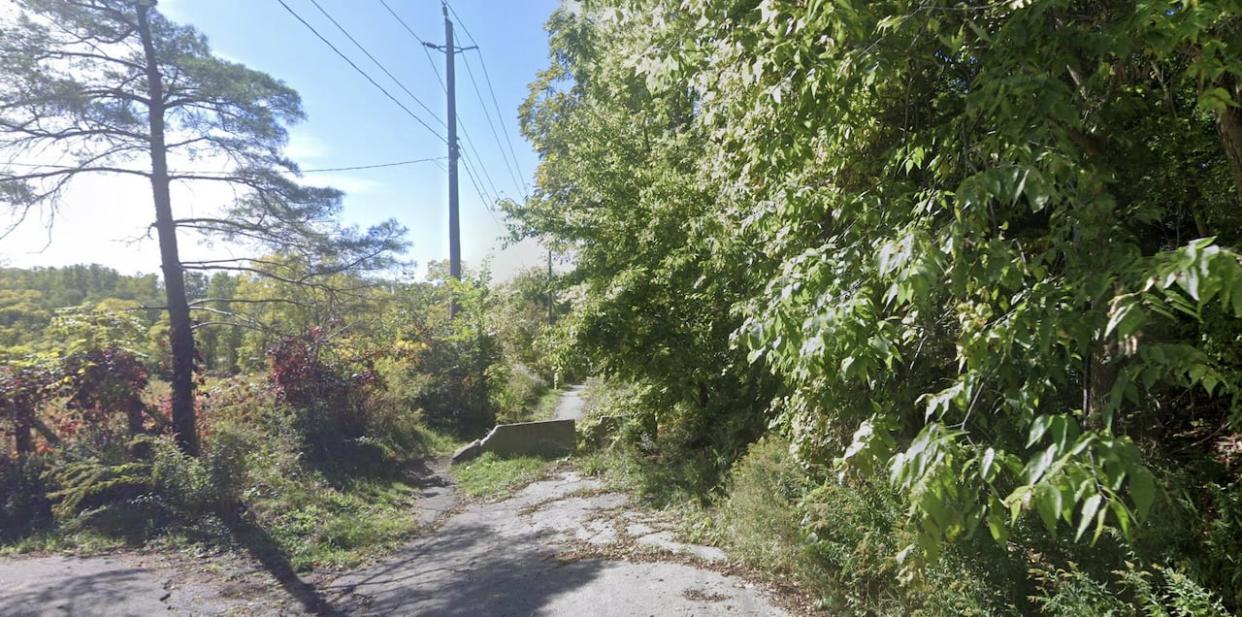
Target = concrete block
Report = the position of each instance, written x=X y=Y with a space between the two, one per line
x=469 y=451
x=549 y=438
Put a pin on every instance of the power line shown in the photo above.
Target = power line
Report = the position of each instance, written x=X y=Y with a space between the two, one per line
x=486 y=178
x=230 y=173
x=487 y=201
x=478 y=191
x=475 y=153
x=375 y=166
x=488 y=79
x=486 y=204
x=475 y=180
x=361 y=72
x=376 y=61
x=475 y=166
x=491 y=125
x=422 y=43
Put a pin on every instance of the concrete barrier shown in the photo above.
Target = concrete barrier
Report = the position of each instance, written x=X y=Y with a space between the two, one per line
x=549 y=438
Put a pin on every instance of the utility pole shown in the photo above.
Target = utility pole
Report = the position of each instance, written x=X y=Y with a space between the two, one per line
x=450 y=53
x=551 y=317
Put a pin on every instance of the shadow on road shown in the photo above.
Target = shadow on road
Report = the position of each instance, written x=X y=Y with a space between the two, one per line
x=464 y=570
x=95 y=593
x=264 y=548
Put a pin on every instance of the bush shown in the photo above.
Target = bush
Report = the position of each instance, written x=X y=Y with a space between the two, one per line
x=1072 y=593
x=841 y=543
x=1195 y=524
x=347 y=418
x=226 y=463
x=671 y=453
x=515 y=391
x=149 y=487
x=454 y=385
x=330 y=392
x=24 y=506
x=1162 y=592
x=759 y=513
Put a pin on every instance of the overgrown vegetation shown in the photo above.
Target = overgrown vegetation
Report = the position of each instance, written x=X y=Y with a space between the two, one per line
x=310 y=458
x=933 y=307
x=972 y=268
x=493 y=476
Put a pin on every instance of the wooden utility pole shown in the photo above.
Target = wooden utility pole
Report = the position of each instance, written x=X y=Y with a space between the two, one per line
x=451 y=84
x=453 y=150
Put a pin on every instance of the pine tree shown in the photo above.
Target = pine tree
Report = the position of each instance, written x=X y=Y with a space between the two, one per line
x=112 y=86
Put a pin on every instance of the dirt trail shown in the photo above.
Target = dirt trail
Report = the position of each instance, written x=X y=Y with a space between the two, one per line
x=563 y=546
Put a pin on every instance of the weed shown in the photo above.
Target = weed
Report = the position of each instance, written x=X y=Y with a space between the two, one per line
x=490 y=475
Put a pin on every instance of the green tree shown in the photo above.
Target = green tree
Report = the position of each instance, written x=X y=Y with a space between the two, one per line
x=984 y=248
x=113 y=87
x=220 y=342
x=618 y=187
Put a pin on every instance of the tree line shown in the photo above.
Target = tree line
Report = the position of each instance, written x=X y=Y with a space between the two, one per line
x=984 y=255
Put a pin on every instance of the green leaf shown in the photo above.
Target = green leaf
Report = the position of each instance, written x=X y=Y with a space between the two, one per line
x=1126 y=319
x=1089 y=508
x=1036 y=467
x=1038 y=428
x=1142 y=490
x=1048 y=504
x=985 y=468
x=1122 y=515
x=996 y=522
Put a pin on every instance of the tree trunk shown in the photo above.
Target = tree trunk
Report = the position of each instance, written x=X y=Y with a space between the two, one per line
x=47 y=432
x=1229 y=123
x=135 y=415
x=1101 y=377
x=174 y=282
x=23 y=422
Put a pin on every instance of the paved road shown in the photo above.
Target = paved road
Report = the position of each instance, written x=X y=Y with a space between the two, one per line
x=138 y=585
x=547 y=551
x=560 y=547
x=571 y=405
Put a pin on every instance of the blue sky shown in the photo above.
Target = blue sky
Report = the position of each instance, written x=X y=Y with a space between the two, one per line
x=350 y=122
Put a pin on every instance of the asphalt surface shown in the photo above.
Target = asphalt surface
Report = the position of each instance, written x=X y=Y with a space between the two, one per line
x=139 y=585
x=547 y=551
x=561 y=547
x=571 y=405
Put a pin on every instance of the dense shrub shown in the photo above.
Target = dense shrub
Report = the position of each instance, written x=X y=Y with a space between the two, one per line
x=454 y=392
x=331 y=390
x=843 y=540
x=104 y=381
x=651 y=458
x=24 y=506
x=983 y=254
x=24 y=387
x=515 y=391
x=842 y=543
x=1132 y=593
x=252 y=486
x=132 y=489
